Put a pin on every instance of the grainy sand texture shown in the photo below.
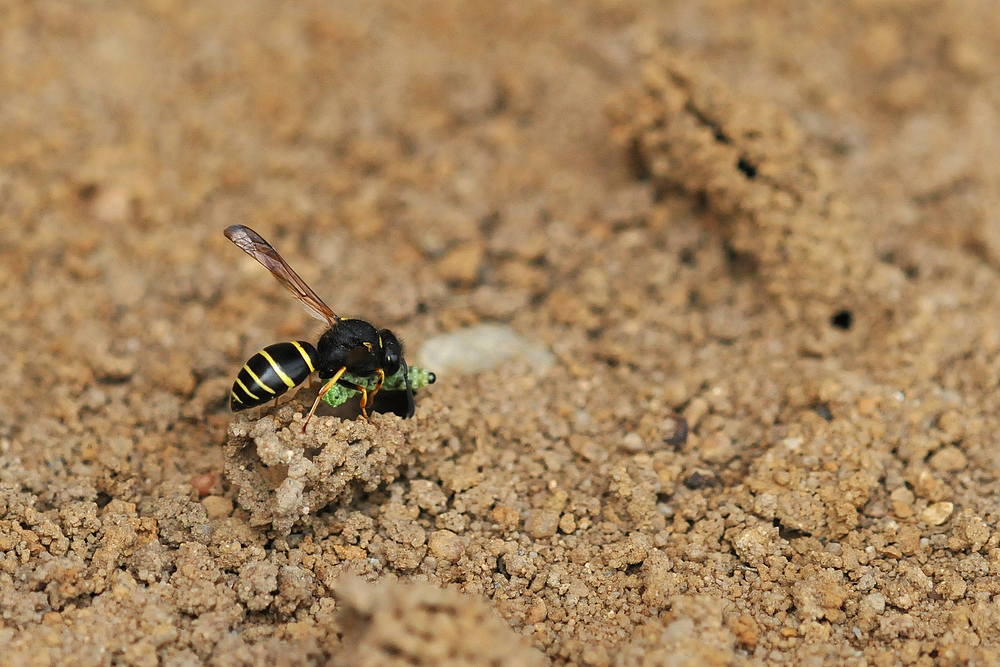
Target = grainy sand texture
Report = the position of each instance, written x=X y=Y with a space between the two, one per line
x=775 y=224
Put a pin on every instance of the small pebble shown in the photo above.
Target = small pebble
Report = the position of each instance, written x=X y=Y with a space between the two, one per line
x=461 y=265
x=217 y=507
x=446 y=546
x=542 y=523
x=112 y=206
x=567 y=523
x=506 y=516
x=632 y=442
x=937 y=513
x=949 y=459
x=203 y=483
x=480 y=348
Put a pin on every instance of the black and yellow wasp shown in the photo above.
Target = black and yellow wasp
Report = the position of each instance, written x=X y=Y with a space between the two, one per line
x=349 y=346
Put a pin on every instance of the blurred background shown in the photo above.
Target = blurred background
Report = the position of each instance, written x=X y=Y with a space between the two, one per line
x=430 y=166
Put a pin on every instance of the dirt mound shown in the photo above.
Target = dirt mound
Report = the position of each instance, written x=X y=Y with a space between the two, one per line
x=784 y=231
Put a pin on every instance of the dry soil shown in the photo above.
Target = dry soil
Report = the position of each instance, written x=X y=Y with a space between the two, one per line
x=779 y=220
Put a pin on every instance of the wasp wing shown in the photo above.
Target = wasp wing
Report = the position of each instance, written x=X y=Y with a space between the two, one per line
x=410 y=405
x=254 y=245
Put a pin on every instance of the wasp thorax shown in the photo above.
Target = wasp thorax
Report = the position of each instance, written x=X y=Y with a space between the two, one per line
x=351 y=353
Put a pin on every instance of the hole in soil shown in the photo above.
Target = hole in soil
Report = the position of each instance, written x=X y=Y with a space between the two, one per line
x=842 y=319
x=747 y=168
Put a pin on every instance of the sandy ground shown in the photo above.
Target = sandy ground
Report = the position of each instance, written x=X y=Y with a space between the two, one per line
x=781 y=223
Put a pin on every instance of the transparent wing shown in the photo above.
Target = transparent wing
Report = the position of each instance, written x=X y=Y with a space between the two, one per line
x=254 y=245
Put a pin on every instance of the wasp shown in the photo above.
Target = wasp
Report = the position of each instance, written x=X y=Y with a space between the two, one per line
x=350 y=347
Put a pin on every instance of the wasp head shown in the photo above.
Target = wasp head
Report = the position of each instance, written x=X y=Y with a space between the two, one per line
x=392 y=352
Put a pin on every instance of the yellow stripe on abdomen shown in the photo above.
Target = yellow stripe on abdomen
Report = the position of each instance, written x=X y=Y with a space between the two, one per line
x=256 y=379
x=277 y=369
x=244 y=388
x=305 y=356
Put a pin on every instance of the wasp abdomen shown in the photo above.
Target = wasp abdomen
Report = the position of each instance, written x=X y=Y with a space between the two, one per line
x=271 y=372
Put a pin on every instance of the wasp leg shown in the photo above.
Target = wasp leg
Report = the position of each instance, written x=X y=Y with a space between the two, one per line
x=366 y=398
x=322 y=392
x=378 y=386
